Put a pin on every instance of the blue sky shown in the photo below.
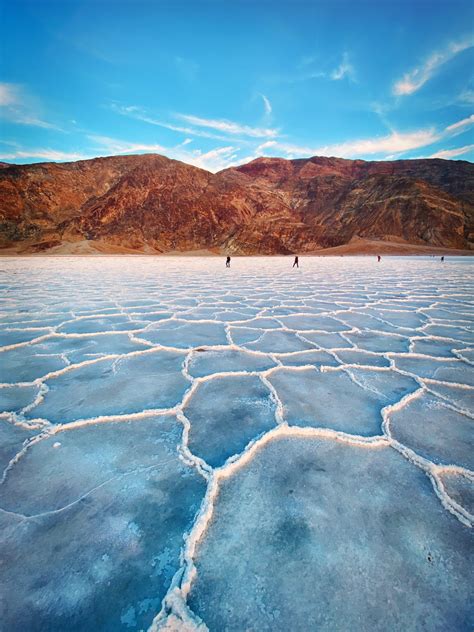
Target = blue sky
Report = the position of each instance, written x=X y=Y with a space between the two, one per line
x=219 y=82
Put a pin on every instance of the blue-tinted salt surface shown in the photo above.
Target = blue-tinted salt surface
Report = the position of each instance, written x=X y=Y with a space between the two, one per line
x=353 y=535
x=127 y=384
x=185 y=446
x=226 y=414
x=93 y=527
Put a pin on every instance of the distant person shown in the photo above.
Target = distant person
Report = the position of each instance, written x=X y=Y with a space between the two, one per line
x=379 y=258
x=442 y=259
x=295 y=263
x=227 y=262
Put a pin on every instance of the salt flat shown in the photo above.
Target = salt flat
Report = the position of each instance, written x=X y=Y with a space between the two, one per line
x=186 y=446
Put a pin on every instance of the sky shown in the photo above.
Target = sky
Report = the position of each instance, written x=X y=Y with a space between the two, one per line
x=216 y=83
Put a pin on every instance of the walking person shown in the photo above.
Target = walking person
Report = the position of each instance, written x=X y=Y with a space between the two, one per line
x=227 y=262
x=442 y=259
x=295 y=263
x=379 y=258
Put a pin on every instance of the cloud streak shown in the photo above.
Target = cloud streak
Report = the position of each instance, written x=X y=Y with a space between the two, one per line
x=461 y=126
x=391 y=143
x=229 y=127
x=412 y=81
x=49 y=155
x=16 y=107
x=452 y=153
x=345 y=69
x=8 y=94
x=114 y=146
x=466 y=97
x=140 y=114
x=267 y=105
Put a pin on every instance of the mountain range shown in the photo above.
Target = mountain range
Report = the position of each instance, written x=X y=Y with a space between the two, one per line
x=152 y=204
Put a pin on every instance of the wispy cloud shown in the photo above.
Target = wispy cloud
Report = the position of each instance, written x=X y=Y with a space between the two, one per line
x=310 y=68
x=412 y=81
x=50 y=155
x=229 y=127
x=381 y=110
x=266 y=104
x=452 y=153
x=140 y=114
x=461 y=126
x=114 y=146
x=17 y=106
x=302 y=73
x=395 y=142
x=215 y=159
x=345 y=69
x=8 y=94
x=392 y=143
x=466 y=97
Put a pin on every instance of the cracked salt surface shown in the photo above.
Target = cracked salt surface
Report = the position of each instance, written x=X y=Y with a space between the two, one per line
x=189 y=447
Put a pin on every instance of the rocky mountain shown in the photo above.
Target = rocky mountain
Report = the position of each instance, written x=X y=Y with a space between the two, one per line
x=149 y=203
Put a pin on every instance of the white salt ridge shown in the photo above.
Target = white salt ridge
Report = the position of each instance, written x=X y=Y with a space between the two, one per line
x=240 y=342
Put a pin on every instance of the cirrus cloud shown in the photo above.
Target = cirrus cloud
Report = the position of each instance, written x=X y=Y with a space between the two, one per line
x=452 y=153
x=460 y=126
x=266 y=104
x=17 y=106
x=391 y=143
x=412 y=81
x=229 y=127
x=47 y=154
x=345 y=69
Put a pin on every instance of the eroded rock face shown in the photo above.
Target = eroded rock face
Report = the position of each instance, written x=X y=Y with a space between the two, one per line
x=269 y=206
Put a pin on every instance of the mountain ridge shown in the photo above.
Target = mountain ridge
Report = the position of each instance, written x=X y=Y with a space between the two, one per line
x=152 y=203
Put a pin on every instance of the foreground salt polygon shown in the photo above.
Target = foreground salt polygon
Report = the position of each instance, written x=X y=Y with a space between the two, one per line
x=262 y=448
